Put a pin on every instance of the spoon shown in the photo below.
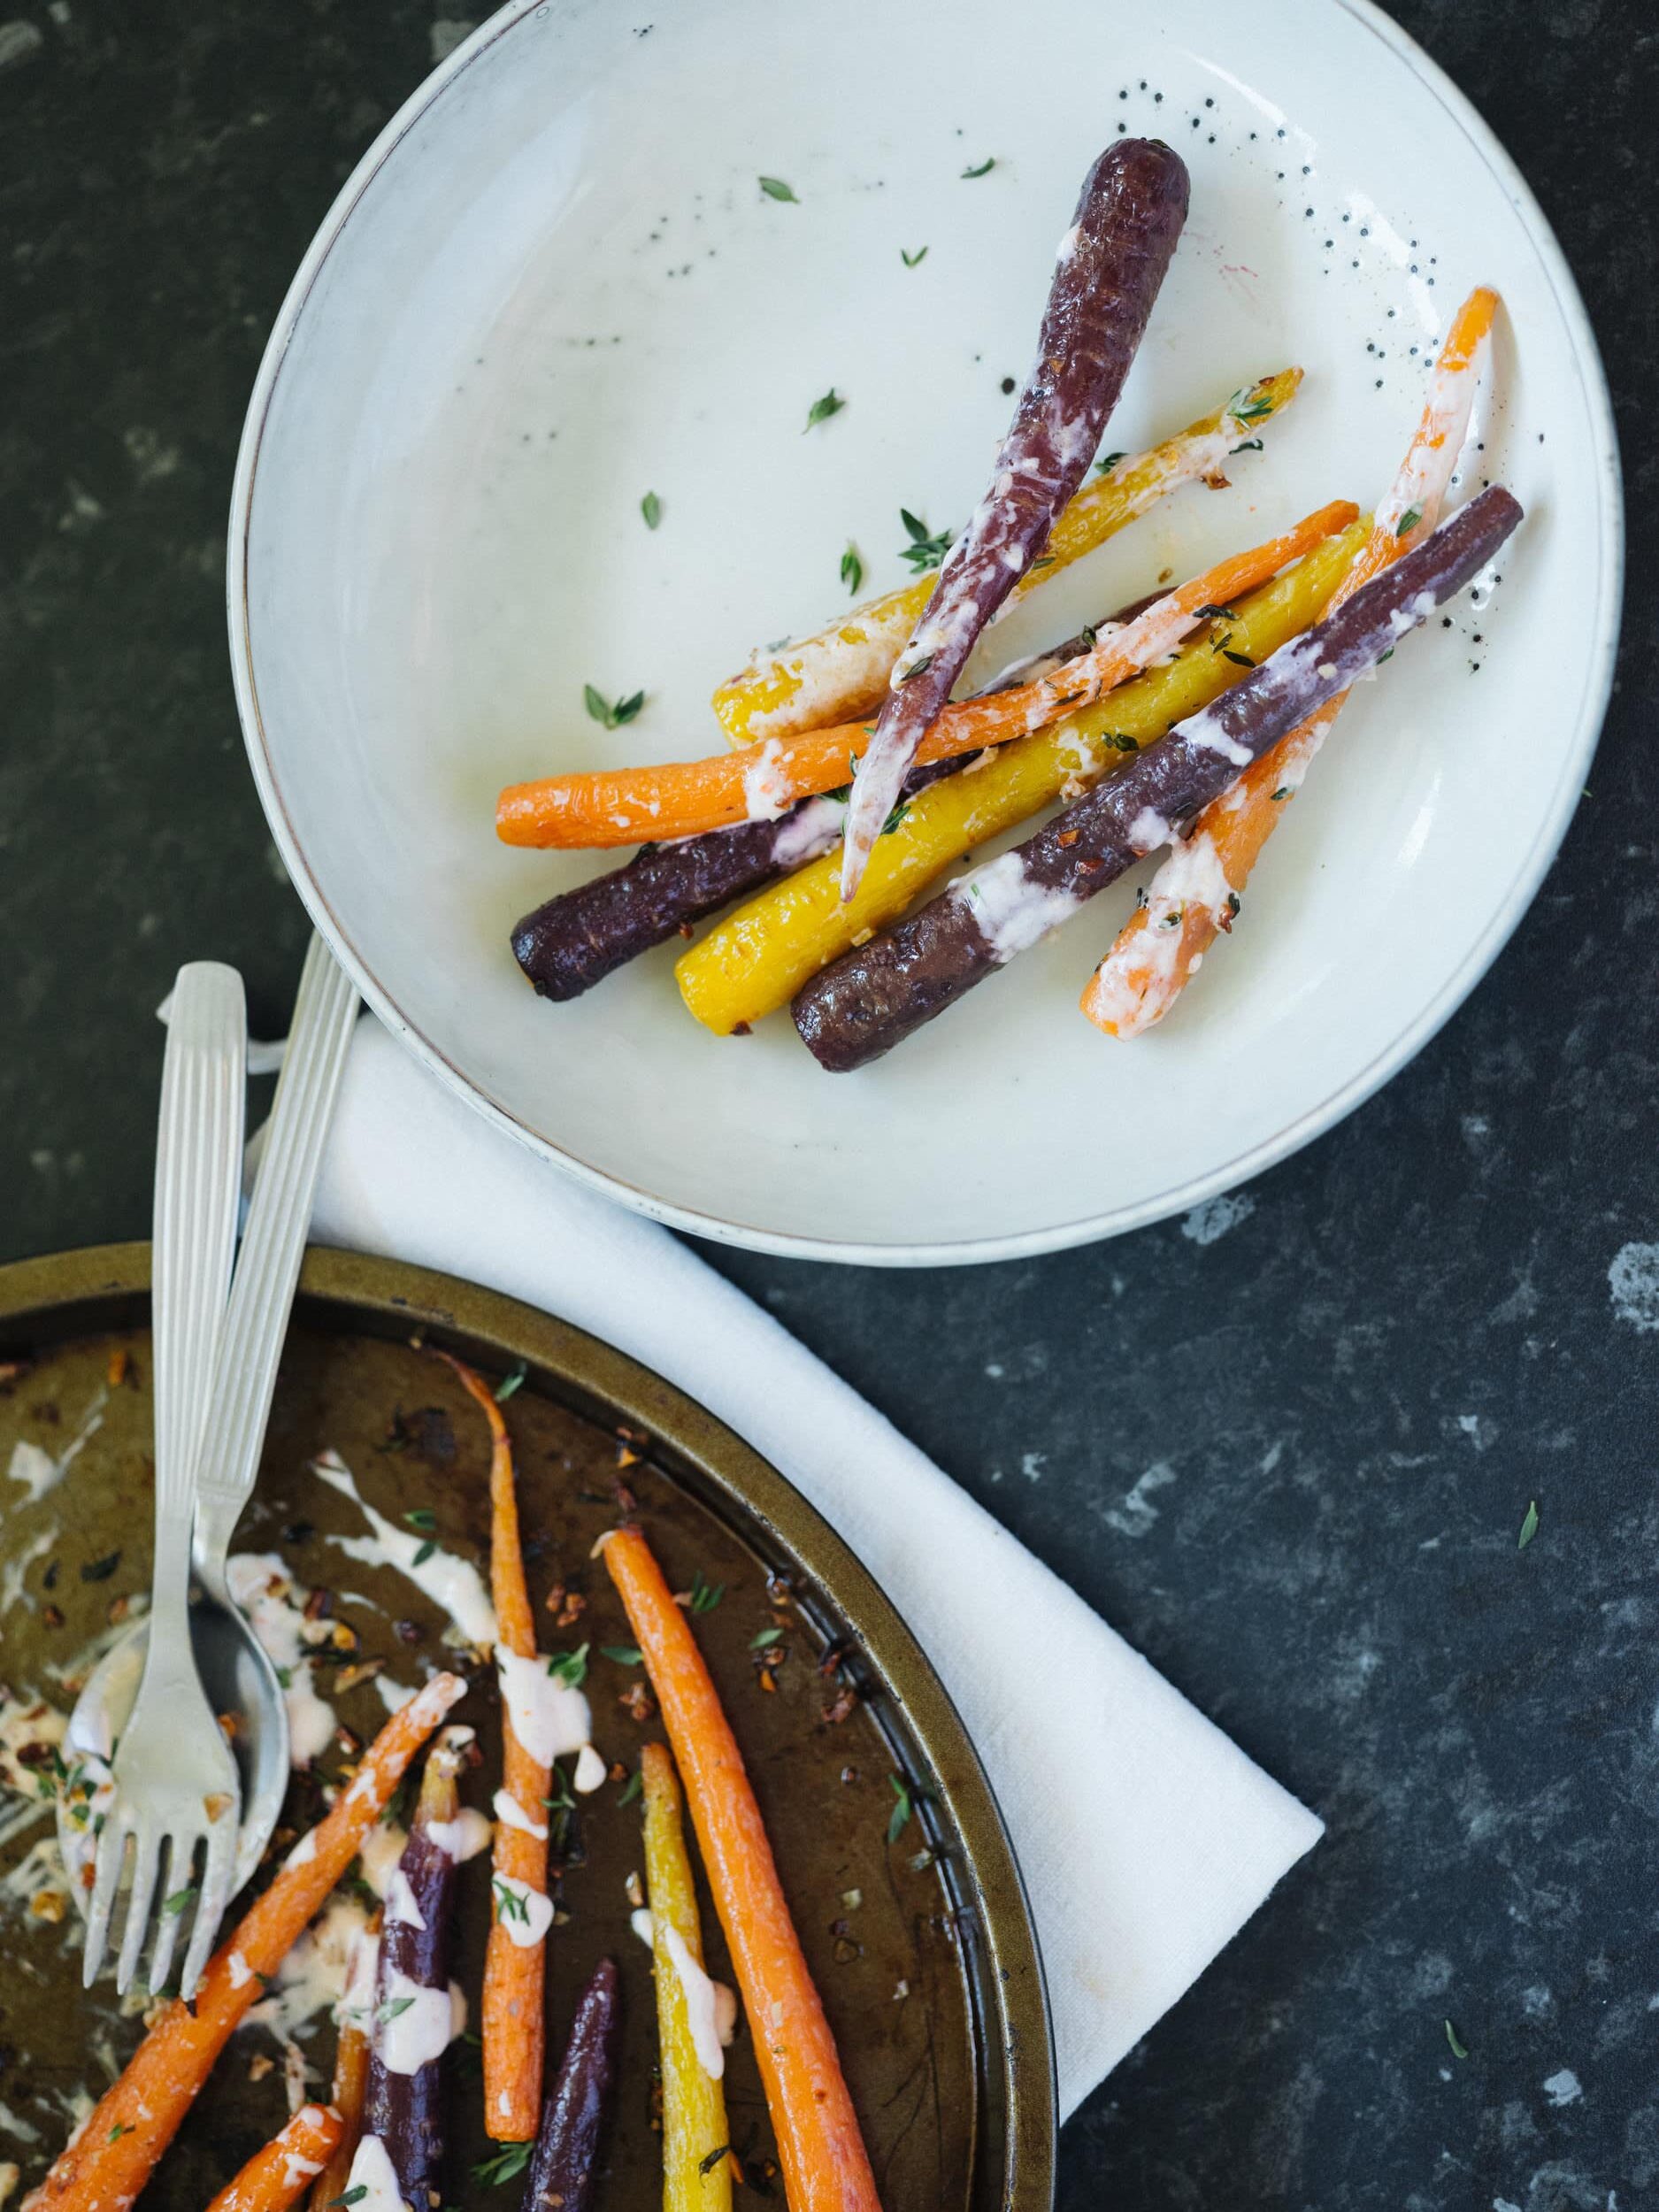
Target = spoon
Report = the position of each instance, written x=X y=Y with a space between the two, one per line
x=236 y=1671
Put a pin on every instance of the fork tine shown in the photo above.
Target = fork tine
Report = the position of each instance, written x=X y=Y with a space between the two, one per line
x=181 y=1861
x=107 y=1860
x=217 y=1874
x=146 y=1866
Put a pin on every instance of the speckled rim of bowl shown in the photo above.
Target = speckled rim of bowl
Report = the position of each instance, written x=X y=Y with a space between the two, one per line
x=79 y=1293
x=1112 y=1221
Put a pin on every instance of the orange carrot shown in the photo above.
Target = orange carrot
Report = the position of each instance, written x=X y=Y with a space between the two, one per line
x=512 y=2025
x=114 y=2153
x=1195 y=893
x=687 y=798
x=276 y=2177
x=351 y=2073
x=825 y=2168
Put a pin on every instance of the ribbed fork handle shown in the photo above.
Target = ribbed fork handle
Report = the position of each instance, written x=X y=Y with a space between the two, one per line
x=198 y=1181
x=272 y=1247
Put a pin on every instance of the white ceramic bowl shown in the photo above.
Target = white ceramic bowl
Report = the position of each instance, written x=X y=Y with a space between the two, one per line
x=553 y=284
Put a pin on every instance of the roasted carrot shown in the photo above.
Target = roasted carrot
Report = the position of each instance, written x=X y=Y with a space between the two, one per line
x=276 y=2177
x=564 y=2164
x=696 y=2178
x=514 y=1968
x=841 y=673
x=825 y=2168
x=116 y=2150
x=757 y=957
x=1196 y=892
x=351 y=2072
x=413 y=2018
x=687 y=798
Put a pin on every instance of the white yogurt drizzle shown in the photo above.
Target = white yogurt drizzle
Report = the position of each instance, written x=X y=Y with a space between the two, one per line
x=811 y=830
x=701 y=2015
x=766 y=792
x=527 y=1918
x=402 y=1905
x=452 y=1583
x=36 y=1469
x=373 y=2174
x=16 y=1568
x=464 y=1838
x=550 y=1719
x=1011 y=911
x=511 y=1814
x=414 y=2026
x=316 y=1974
x=274 y=1605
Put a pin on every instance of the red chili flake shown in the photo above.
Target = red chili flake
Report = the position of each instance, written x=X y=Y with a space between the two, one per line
x=51 y=1618
x=768 y=1679
x=849 y=1774
x=833 y=1656
x=319 y=1606
x=116 y=1371
x=841 y=1707
x=685 y=930
x=638 y=1701
x=1068 y=838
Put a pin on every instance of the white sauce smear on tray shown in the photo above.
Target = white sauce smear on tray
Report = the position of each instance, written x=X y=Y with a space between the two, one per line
x=274 y=1604
x=451 y=1582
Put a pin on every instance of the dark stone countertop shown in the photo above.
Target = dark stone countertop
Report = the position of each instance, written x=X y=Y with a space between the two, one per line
x=1329 y=1418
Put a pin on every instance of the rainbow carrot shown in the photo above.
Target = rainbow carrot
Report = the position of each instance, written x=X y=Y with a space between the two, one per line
x=513 y=2028
x=841 y=673
x=1196 y=891
x=696 y=2178
x=687 y=798
x=277 y=2176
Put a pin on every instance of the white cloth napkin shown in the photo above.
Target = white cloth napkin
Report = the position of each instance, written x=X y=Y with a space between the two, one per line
x=1147 y=1838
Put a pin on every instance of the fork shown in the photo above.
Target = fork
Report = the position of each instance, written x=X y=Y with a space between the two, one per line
x=174 y=1779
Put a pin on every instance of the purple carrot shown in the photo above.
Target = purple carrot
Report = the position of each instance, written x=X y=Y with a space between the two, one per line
x=576 y=940
x=1112 y=263
x=566 y=2155
x=872 y=998
x=402 y=2101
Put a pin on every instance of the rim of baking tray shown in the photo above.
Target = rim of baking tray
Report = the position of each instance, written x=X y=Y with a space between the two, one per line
x=76 y=1292
x=1112 y=1220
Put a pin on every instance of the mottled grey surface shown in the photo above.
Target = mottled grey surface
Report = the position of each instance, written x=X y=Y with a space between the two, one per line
x=1286 y=1444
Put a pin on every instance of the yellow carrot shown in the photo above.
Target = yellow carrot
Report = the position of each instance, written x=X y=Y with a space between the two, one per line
x=841 y=673
x=685 y=798
x=1160 y=948
x=695 y=2177
x=758 y=957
